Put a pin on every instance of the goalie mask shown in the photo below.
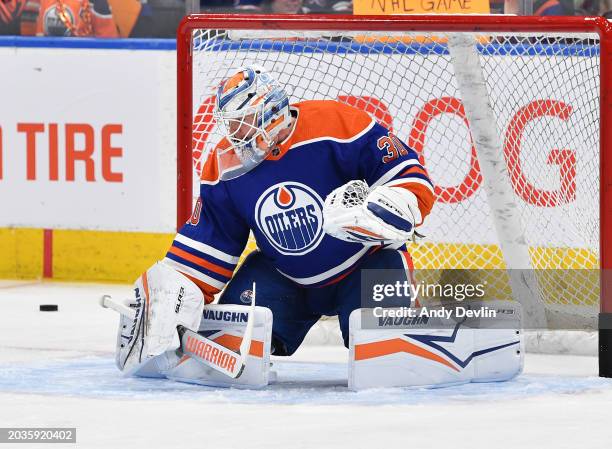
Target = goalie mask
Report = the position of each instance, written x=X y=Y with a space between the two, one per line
x=251 y=109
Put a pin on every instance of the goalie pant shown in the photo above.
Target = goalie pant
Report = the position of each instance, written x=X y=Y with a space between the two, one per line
x=296 y=308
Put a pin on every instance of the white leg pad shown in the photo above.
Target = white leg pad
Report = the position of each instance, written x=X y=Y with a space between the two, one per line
x=431 y=351
x=163 y=299
x=226 y=324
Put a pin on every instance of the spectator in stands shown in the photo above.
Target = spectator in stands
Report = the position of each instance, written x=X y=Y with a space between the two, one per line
x=77 y=18
x=147 y=18
x=606 y=9
x=244 y=6
x=293 y=6
x=595 y=8
x=10 y=16
x=228 y=5
x=542 y=7
x=328 y=6
x=553 y=8
x=283 y=6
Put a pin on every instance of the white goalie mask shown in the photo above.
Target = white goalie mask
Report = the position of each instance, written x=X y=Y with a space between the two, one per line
x=251 y=109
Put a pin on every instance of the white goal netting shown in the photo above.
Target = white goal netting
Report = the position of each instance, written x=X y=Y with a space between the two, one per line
x=542 y=92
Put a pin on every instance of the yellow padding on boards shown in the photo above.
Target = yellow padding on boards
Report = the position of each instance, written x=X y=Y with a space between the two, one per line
x=566 y=276
x=106 y=256
x=21 y=253
x=427 y=255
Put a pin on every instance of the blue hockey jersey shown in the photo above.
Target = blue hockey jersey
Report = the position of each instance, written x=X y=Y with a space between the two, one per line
x=281 y=200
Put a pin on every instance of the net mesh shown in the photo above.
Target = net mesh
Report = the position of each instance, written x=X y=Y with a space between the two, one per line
x=544 y=91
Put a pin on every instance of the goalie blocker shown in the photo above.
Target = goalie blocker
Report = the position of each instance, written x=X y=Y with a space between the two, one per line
x=424 y=350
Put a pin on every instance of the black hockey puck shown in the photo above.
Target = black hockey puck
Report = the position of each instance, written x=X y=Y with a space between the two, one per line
x=48 y=308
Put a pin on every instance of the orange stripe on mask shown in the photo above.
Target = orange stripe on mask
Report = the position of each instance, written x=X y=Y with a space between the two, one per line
x=387 y=347
x=233 y=82
x=259 y=99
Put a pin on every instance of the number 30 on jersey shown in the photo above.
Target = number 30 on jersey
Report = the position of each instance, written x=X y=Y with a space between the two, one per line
x=393 y=146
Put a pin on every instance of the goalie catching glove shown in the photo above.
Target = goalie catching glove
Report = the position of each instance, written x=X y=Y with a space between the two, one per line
x=382 y=215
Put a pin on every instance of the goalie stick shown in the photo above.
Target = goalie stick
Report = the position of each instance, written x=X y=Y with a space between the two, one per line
x=205 y=351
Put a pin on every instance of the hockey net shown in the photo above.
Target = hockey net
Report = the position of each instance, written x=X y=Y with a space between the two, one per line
x=520 y=150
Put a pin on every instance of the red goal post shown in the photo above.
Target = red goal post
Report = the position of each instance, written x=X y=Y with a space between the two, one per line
x=534 y=28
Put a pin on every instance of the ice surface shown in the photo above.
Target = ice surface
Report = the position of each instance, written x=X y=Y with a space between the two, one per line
x=297 y=383
x=57 y=369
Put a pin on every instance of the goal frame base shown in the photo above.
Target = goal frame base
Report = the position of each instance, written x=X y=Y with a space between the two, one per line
x=605 y=345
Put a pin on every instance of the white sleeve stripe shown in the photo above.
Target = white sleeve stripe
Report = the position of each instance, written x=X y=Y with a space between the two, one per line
x=410 y=181
x=208 y=250
x=394 y=171
x=194 y=273
x=331 y=272
x=335 y=139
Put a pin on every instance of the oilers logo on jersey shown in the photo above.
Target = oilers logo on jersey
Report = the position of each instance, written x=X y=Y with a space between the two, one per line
x=290 y=215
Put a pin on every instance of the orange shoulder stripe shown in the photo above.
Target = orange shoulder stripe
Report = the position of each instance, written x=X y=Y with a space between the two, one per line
x=219 y=156
x=210 y=170
x=327 y=118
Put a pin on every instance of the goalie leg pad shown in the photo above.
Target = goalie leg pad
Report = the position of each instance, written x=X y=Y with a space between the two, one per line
x=422 y=351
x=163 y=299
x=225 y=325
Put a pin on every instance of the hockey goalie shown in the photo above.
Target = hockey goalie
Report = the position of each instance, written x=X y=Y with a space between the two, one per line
x=326 y=191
